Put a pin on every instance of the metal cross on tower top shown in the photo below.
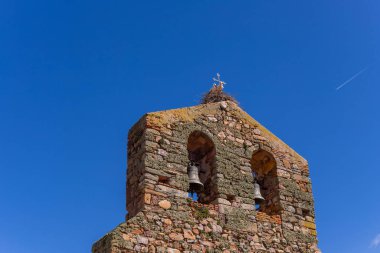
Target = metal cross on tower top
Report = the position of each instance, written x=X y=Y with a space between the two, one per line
x=218 y=81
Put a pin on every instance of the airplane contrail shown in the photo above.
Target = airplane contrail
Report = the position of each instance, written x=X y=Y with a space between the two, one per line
x=351 y=78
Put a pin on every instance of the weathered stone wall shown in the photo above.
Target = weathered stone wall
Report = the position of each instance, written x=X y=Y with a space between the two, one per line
x=161 y=217
x=136 y=167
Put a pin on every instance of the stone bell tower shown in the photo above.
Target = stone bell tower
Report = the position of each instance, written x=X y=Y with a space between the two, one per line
x=232 y=153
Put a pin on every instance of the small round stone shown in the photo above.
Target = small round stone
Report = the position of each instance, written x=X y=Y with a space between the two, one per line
x=164 y=204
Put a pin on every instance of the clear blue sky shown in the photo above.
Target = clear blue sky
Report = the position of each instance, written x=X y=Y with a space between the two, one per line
x=75 y=76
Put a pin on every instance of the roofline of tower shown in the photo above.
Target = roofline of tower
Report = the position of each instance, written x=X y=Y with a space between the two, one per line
x=182 y=112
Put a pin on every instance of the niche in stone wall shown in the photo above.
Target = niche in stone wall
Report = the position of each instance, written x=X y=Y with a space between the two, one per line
x=201 y=153
x=264 y=171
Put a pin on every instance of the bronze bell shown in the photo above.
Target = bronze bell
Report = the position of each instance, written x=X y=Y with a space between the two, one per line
x=257 y=194
x=193 y=172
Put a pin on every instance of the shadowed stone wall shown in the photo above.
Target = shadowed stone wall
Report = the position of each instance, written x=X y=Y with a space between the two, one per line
x=162 y=218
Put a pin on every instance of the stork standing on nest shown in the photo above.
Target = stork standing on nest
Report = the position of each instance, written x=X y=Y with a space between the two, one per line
x=216 y=93
x=219 y=83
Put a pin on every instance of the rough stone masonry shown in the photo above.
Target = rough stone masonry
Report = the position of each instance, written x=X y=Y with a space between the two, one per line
x=232 y=149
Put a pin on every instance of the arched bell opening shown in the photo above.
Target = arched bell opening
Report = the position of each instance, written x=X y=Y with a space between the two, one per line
x=201 y=154
x=266 y=186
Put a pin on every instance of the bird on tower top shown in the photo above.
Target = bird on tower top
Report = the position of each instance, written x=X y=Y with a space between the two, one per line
x=216 y=93
x=219 y=83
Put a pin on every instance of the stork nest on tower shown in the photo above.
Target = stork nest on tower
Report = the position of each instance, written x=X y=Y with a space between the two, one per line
x=216 y=94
